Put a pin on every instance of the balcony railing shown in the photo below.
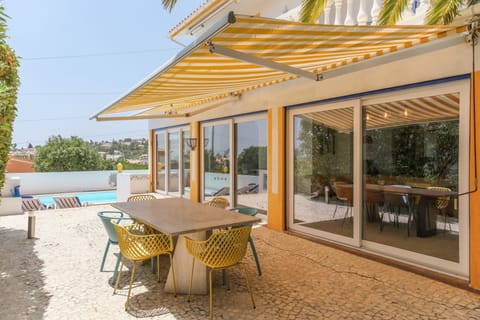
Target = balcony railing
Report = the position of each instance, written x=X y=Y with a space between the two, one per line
x=363 y=12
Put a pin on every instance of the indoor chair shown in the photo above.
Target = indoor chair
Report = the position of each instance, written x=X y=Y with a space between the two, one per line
x=106 y=217
x=345 y=196
x=137 y=247
x=441 y=203
x=223 y=249
x=399 y=201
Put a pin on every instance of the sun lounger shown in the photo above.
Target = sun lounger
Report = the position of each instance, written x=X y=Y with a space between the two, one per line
x=32 y=204
x=67 y=202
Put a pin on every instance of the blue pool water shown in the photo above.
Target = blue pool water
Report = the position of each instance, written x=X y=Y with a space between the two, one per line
x=96 y=197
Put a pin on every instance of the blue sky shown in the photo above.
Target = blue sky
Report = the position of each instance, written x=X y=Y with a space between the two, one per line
x=79 y=56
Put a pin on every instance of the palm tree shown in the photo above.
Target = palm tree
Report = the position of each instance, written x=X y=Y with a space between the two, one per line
x=169 y=4
x=441 y=12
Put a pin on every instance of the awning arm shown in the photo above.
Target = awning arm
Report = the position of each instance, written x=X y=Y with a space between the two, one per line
x=214 y=48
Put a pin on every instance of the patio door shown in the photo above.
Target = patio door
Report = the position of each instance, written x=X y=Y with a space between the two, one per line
x=234 y=161
x=322 y=188
x=367 y=173
x=173 y=162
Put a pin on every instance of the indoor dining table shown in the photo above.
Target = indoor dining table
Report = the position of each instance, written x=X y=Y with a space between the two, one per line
x=182 y=217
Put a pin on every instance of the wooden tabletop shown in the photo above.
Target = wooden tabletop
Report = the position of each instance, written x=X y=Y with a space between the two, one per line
x=175 y=216
x=432 y=193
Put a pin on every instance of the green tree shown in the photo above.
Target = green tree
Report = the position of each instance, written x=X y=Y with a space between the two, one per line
x=441 y=12
x=9 y=82
x=251 y=159
x=67 y=154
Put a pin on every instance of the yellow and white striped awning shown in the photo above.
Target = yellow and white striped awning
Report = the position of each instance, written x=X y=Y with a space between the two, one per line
x=242 y=53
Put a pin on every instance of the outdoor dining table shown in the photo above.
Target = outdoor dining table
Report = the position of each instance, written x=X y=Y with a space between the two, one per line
x=182 y=217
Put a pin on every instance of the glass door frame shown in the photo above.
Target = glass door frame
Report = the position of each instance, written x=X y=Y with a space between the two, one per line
x=461 y=268
x=201 y=144
x=357 y=136
x=233 y=162
x=180 y=130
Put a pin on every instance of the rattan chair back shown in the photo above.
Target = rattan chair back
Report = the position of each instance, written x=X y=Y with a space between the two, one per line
x=141 y=197
x=136 y=246
x=223 y=249
x=219 y=202
x=441 y=202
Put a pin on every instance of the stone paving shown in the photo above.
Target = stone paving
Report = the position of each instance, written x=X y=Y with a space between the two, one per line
x=57 y=276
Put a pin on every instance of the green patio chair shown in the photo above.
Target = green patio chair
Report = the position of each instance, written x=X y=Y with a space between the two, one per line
x=106 y=217
x=250 y=212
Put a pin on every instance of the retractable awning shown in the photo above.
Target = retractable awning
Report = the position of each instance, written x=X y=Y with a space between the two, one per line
x=243 y=53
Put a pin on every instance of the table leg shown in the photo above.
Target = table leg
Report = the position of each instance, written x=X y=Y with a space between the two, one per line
x=182 y=261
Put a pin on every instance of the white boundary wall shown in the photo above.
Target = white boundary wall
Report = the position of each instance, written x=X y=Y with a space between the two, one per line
x=74 y=181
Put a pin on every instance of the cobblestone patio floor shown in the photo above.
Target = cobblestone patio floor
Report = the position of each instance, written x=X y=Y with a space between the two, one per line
x=57 y=276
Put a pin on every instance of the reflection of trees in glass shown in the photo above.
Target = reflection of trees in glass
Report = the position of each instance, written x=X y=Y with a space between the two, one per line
x=322 y=155
x=423 y=150
x=216 y=163
x=251 y=159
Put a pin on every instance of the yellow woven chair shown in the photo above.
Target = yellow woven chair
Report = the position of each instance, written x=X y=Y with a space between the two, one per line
x=441 y=203
x=141 y=197
x=137 y=247
x=218 y=202
x=222 y=250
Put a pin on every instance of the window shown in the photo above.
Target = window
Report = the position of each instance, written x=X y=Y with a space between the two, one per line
x=173 y=162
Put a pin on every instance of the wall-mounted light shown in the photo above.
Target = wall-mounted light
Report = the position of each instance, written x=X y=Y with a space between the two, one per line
x=191 y=143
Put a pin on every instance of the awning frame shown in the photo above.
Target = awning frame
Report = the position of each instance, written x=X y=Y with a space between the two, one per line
x=206 y=39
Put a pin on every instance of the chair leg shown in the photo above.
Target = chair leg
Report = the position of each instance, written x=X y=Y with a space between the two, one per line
x=335 y=211
x=131 y=282
x=115 y=272
x=105 y=255
x=211 y=294
x=118 y=278
x=191 y=280
x=158 y=268
x=252 y=246
x=173 y=275
x=248 y=286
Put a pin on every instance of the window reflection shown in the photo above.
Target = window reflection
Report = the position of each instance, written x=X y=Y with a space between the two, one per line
x=410 y=157
x=161 y=161
x=186 y=165
x=323 y=171
x=173 y=161
x=216 y=161
x=251 y=164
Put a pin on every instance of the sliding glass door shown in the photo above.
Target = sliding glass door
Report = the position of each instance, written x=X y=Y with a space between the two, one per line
x=384 y=173
x=322 y=171
x=234 y=161
x=251 y=164
x=173 y=162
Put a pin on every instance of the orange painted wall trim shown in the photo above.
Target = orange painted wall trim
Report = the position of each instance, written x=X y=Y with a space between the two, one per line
x=195 y=163
x=152 y=160
x=475 y=197
x=276 y=169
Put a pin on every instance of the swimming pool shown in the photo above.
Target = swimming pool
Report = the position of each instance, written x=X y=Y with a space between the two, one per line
x=95 y=197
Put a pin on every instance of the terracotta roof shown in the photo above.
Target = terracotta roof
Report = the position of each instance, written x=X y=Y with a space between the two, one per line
x=16 y=165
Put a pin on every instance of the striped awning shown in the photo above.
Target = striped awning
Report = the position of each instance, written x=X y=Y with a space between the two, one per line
x=243 y=53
